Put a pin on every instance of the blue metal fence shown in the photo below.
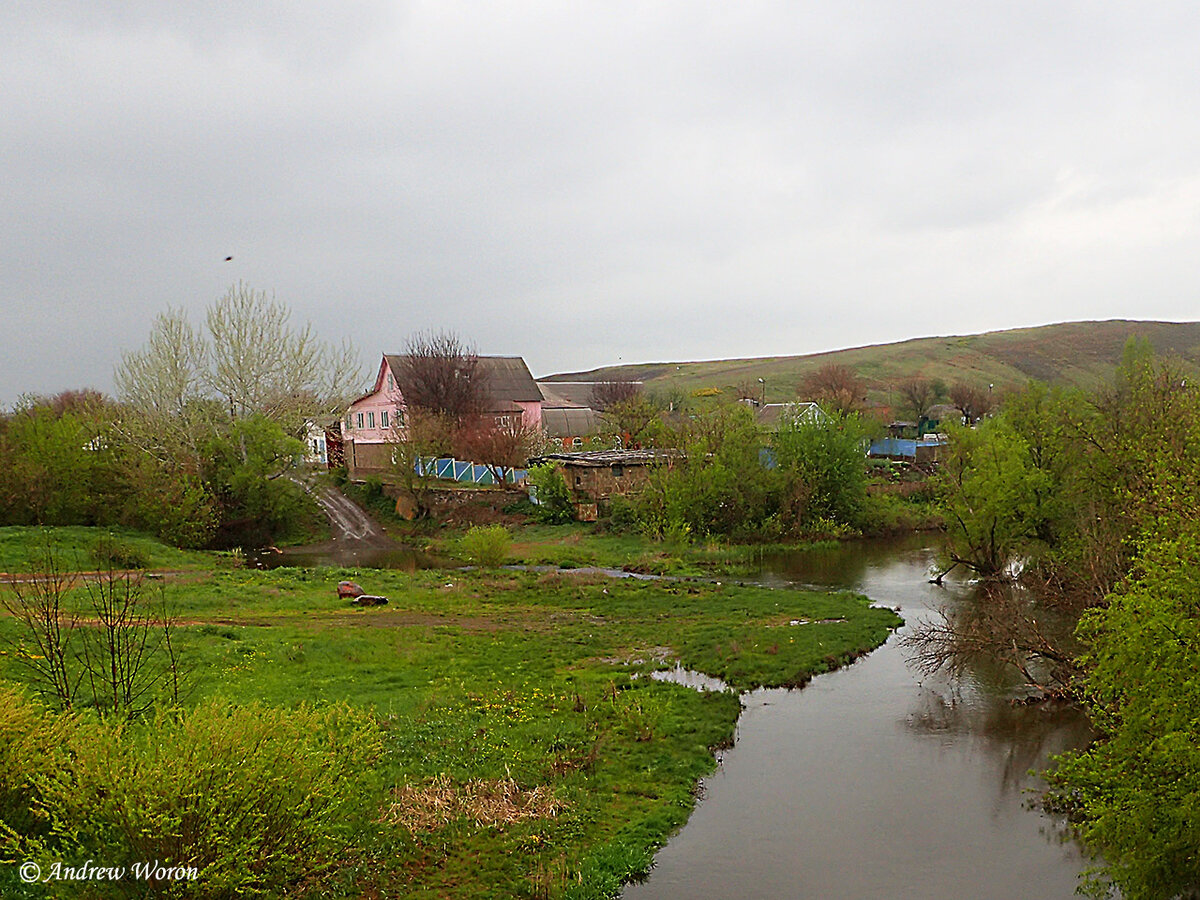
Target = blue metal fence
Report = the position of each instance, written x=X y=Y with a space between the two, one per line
x=458 y=470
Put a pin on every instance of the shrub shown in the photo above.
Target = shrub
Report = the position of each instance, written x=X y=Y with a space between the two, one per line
x=30 y=747
x=554 y=499
x=252 y=797
x=110 y=552
x=487 y=546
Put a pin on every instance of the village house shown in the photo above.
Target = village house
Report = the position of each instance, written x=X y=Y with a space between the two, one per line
x=375 y=421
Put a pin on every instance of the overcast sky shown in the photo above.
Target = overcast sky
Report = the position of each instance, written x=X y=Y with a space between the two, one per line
x=582 y=184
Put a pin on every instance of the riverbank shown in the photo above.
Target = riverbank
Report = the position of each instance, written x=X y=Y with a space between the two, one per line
x=892 y=510
x=489 y=678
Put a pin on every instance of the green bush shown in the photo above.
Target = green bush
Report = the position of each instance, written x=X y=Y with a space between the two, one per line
x=554 y=499
x=487 y=546
x=30 y=747
x=254 y=798
x=110 y=552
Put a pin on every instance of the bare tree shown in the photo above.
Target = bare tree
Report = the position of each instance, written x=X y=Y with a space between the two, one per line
x=973 y=402
x=122 y=648
x=500 y=445
x=609 y=393
x=836 y=387
x=162 y=387
x=919 y=395
x=260 y=364
x=127 y=653
x=250 y=360
x=441 y=374
x=46 y=626
x=1000 y=625
x=423 y=435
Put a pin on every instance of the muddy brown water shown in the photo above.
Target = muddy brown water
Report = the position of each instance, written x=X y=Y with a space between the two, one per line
x=874 y=781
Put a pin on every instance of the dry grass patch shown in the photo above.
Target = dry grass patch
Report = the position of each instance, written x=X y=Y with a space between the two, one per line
x=495 y=803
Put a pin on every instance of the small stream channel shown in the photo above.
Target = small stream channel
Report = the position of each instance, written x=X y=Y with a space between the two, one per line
x=873 y=781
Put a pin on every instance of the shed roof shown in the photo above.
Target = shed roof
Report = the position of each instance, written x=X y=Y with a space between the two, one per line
x=561 y=394
x=573 y=421
x=598 y=458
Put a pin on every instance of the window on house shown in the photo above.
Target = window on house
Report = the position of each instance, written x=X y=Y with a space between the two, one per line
x=399 y=417
x=383 y=418
x=370 y=420
x=359 y=420
x=618 y=471
x=578 y=481
x=391 y=382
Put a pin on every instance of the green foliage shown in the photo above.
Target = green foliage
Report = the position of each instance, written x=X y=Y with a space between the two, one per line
x=111 y=552
x=995 y=497
x=250 y=796
x=1135 y=795
x=824 y=465
x=720 y=487
x=554 y=499
x=244 y=470
x=57 y=469
x=176 y=506
x=735 y=481
x=487 y=545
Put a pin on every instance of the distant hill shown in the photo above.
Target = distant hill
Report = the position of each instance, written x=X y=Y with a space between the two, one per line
x=1072 y=352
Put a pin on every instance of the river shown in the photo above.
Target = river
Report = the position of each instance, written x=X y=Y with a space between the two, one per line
x=875 y=781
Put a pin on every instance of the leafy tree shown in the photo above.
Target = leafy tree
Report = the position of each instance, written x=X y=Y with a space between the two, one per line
x=245 y=470
x=994 y=496
x=637 y=422
x=1134 y=795
x=720 y=486
x=554 y=498
x=58 y=464
x=824 y=463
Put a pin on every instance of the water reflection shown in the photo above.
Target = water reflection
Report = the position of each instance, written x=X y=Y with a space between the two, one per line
x=349 y=555
x=878 y=780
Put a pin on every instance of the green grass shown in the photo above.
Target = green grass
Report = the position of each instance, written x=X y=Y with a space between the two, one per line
x=23 y=549
x=505 y=674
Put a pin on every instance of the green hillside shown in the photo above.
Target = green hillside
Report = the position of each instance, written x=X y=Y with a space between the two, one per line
x=1071 y=352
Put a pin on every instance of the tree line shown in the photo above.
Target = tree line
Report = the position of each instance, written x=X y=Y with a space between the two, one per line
x=197 y=444
x=1093 y=496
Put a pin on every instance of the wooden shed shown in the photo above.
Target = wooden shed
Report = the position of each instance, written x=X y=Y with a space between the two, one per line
x=594 y=477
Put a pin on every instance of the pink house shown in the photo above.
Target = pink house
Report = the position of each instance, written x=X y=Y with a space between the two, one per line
x=376 y=419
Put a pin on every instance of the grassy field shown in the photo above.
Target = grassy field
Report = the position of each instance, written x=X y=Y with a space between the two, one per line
x=530 y=683
x=85 y=549
x=1073 y=352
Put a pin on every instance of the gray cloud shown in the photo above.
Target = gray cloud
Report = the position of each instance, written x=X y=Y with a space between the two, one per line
x=581 y=183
